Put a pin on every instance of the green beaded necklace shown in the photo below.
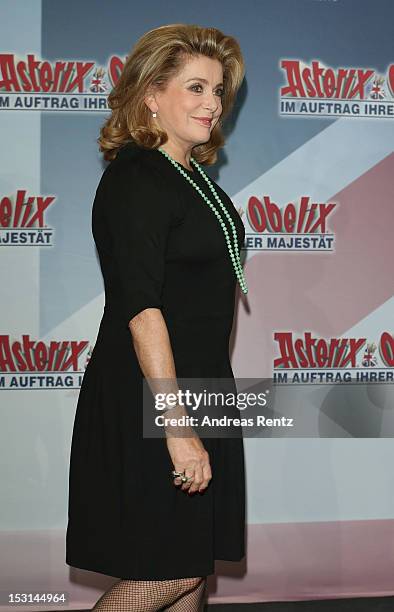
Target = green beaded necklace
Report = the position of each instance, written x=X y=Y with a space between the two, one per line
x=234 y=254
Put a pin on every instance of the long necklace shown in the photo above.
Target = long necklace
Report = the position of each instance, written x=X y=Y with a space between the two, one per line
x=233 y=252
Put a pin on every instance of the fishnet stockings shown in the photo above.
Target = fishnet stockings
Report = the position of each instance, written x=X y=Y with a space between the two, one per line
x=193 y=600
x=181 y=595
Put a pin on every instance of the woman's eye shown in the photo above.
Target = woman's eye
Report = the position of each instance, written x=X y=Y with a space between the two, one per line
x=220 y=90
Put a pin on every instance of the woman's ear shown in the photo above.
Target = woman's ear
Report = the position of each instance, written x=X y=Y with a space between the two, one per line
x=150 y=101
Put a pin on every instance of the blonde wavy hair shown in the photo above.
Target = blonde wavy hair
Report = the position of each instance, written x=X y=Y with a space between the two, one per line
x=158 y=56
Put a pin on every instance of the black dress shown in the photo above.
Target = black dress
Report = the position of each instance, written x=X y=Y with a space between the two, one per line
x=159 y=245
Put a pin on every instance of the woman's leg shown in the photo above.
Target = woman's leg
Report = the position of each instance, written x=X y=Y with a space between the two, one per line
x=145 y=595
x=190 y=602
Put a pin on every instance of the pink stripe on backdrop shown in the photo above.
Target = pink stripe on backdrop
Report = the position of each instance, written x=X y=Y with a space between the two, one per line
x=324 y=293
x=284 y=562
x=301 y=561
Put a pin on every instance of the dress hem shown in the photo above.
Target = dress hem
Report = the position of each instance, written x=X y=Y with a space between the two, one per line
x=138 y=576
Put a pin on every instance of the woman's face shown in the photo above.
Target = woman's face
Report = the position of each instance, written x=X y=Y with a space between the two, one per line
x=193 y=94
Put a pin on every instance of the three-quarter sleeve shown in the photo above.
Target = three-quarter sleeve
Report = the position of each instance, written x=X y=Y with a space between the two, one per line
x=138 y=214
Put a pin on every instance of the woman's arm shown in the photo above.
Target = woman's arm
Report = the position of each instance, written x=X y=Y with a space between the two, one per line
x=153 y=349
x=139 y=212
x=152 y=344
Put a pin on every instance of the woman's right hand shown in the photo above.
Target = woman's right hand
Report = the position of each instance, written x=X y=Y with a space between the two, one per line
x=189 y=454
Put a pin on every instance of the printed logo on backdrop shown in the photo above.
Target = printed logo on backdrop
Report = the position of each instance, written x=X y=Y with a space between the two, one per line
x=316 y=90
x=30 y=364
x=23 y=220
x=314 y=360
x=31 y=83
x=292 y=228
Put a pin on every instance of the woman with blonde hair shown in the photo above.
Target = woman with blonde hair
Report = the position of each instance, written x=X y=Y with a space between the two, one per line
x=157 y=511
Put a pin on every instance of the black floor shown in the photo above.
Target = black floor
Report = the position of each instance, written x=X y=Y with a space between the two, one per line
x=360 y=604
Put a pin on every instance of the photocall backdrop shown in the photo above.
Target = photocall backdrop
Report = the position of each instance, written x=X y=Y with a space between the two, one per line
x=308 y=163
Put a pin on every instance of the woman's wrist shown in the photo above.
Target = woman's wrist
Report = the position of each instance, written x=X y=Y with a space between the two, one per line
x=177 y=422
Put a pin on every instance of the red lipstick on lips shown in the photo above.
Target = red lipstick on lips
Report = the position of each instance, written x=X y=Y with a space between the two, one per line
x=204 y=120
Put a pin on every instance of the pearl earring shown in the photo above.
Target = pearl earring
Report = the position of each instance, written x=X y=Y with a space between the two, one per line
x=154 y=114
